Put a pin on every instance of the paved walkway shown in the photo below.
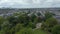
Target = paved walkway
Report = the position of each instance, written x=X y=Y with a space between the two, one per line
x=38 y=25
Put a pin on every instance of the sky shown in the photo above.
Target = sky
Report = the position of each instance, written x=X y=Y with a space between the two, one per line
x=29 y=3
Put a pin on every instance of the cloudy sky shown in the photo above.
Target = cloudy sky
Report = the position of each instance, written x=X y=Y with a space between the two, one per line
x=29 y=3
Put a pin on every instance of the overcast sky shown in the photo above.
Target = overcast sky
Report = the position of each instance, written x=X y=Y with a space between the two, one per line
x=29 y=3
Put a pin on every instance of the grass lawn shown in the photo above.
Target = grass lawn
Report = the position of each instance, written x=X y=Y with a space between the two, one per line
x=40 y=32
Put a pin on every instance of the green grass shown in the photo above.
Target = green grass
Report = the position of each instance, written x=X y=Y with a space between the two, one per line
x=29 y=31
x=40 y=32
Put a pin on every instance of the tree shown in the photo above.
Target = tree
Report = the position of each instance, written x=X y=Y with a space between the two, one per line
x=48 y=15
x=18 y=27
x=31 y=25
x=13 y=20
x=49 y=23
x=2 y=20
x=33 y=16
x=39 y=14
x=56 y=29
x=24 y=19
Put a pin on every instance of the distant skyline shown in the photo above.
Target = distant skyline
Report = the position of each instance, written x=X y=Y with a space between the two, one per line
x=29 y=3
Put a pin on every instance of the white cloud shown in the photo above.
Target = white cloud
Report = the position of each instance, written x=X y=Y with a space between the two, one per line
x=36 y=1
x=29 y=3
x=49 y=0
